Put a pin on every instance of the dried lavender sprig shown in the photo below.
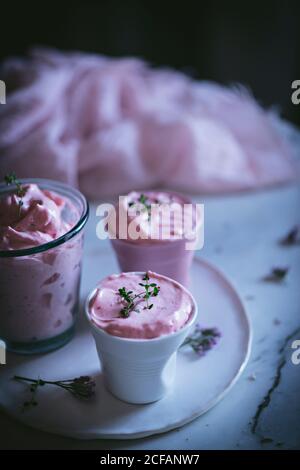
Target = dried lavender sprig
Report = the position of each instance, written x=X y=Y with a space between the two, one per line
x=276 y=275
x=292 y=237
x=202 y=340
x=81 y=387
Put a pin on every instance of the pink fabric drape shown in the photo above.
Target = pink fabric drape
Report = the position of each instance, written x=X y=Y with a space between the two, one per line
x=110 y=126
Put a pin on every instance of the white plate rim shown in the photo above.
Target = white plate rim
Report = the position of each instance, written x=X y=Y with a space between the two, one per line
x=142 y=434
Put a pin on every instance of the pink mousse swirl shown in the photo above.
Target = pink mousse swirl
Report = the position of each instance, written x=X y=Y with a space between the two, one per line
x=171 y=310
x=37 y=221
x=159 y=218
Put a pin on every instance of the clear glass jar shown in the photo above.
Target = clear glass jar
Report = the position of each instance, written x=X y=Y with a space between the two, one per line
x=39 y=286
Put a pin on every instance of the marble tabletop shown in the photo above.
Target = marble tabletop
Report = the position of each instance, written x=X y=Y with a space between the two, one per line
x=262 y=411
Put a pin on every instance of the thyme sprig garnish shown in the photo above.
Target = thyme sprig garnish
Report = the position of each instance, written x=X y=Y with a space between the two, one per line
x=82 y=387
x=132 y=300
x=10 y=179
x=144 y=201
x=202 y=340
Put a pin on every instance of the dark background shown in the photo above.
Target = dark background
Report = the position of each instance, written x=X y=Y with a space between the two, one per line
x=254 y=43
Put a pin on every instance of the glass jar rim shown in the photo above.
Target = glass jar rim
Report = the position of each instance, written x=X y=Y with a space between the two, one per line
x=63 y=238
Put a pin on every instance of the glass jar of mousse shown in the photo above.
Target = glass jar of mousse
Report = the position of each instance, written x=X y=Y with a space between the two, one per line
x=39 y=285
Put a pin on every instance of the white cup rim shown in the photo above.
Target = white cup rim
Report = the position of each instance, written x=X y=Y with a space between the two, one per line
x=157 y=339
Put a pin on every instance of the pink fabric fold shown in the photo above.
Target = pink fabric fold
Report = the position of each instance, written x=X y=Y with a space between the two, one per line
x=113 y=125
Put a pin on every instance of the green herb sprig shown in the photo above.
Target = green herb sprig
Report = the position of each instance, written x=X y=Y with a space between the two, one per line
x=82 y=387
x=132 y=300
x=148 y=292
x=145 y=202
x=10 y=179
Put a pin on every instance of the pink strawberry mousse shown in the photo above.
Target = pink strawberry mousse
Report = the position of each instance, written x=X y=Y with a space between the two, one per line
x=172 y=307
x=157 y=242
x=38 y=291
x=154 y=228
x=37 y=221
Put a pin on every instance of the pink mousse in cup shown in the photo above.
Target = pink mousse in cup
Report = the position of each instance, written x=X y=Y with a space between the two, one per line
x=161 y=231
x=138 y=321
x=41 y=240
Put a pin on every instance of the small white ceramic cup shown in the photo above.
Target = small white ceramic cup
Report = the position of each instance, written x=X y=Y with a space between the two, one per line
x=139 y=370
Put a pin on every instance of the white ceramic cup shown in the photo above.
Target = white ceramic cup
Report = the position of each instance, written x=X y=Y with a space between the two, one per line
x=139 y=370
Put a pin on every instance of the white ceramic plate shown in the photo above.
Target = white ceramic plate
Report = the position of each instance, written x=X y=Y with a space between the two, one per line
x=200 y=382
